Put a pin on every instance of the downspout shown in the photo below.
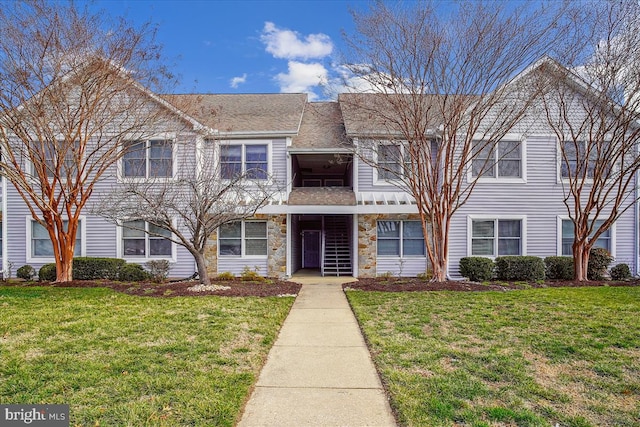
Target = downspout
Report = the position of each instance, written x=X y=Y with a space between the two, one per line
x=636 y=233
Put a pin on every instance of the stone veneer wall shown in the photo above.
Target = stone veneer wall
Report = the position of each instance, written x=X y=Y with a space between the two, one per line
x=276 y=247
x=368 y=237
x=211 y=254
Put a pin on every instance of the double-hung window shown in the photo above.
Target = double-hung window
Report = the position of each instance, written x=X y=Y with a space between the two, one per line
x=400 y=238
x=141 y=239
x=243 y=238
x=604 y=241
x=504 y=160
x=393 y=161
x=148 y=159
x=51 y=157
x=496 y=237
x=41 y=246
x=250 y=160
x=575 y=163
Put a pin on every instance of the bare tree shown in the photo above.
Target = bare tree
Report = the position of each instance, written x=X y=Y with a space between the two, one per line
x=593 y=108
x=70 y=94
x=445 y=94
x=190 y=207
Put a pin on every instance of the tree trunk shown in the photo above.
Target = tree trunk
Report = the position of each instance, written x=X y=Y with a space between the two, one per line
x=439 y=251
x=202 y=268
x=580 y=261
x=64 y=265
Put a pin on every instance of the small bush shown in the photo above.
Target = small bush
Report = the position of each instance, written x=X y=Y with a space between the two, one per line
x=47 y=273
x=621 y=272
x=89 y=268
x=251 y=275
x=529 y=268
x=599 y=260
x=159 y=270
x=26 y=272
x=133 y=273
x=227 y=275
x=477 y=269
x=559 y=267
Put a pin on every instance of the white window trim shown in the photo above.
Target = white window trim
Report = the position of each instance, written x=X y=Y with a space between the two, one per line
x=243 y=241
x=174 y=162
x=40 y=260
x=401 y=238
x=523 y=233
x=377 y=181
x=505 y=179
x=243 y=143
x=561 y=218
x=141 y=260
x=560 y=161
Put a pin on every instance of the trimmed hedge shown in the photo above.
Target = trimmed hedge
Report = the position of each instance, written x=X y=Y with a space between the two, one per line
x=559 y=267
x=133 y=273
x=621 y=272
x=88 y=268
x=599 y=260
x=477 y=269
x=47 y=273
x=529 y=268
x=26 y=272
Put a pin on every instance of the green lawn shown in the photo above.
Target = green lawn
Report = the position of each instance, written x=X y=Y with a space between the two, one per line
x=539 y=357
x=119 y=360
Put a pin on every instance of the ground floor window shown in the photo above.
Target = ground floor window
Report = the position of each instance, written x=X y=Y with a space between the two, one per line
x=604 y=241
x=243 y=238
x=496 y=237
x=141 y=239
x=41 y=246
x=400 y=238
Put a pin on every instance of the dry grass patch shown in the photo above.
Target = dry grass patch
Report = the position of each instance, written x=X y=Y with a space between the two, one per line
x=120 y=360
x=540 y=357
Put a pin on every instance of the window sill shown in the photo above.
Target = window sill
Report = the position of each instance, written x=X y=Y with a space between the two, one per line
x=501 y=180
x=261 y=257
x=143 y=259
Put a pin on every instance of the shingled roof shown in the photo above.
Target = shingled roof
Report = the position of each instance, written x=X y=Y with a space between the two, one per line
x=248 y=113
x=322 y=196
x=322 y=127
x=379 y=114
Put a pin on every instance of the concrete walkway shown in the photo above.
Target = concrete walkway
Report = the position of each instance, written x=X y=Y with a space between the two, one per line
x=319 y=371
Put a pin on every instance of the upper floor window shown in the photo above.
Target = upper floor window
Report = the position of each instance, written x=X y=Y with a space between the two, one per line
x=393 y=161
x=604 y=241
x=504 y=160
x=243 y=238
x=148 y=159
x=250 y=160
x=496 y=237
x=51 y=156
x=40 y=242
x=574 y=162
x=145 y=240
x=400 y=238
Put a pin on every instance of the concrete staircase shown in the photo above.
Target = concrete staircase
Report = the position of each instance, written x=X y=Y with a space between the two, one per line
x=337 y=252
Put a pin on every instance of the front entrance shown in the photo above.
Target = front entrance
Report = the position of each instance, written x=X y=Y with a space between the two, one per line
x=311 y=249
x=322 y=242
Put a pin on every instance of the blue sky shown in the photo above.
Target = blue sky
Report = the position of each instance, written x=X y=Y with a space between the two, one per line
x=246 y=46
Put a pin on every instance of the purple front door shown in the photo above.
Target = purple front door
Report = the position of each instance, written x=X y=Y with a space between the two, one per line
x=311 y=249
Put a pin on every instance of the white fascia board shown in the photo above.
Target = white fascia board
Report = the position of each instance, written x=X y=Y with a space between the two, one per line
x=319 y=150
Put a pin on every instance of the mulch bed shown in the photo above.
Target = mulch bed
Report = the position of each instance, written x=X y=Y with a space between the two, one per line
x=272 y=287
x=236 y=288
x=418 y=285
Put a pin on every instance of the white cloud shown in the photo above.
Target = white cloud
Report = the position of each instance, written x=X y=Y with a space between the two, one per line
x=302 y=78
x=236 y=81
x=287 y=44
